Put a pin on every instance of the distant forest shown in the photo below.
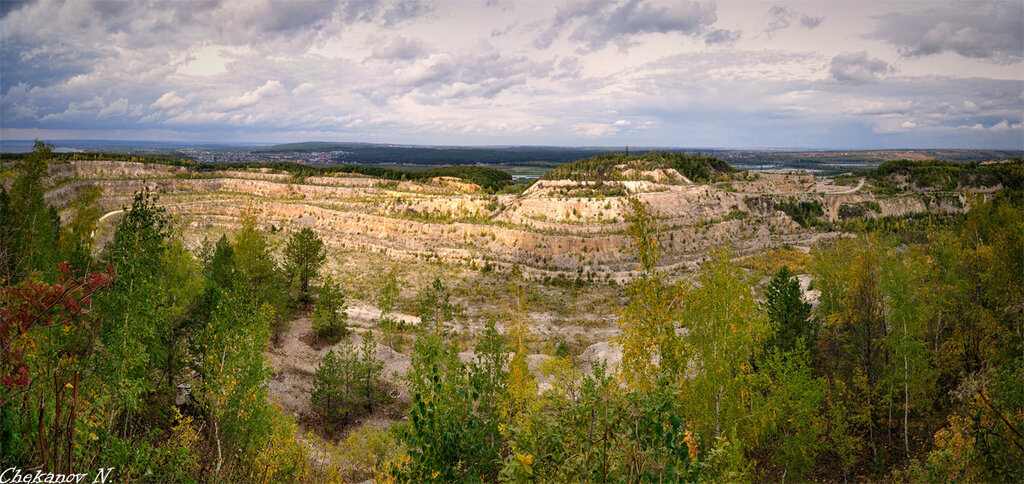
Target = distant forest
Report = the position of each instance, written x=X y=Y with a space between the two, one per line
x=696 y=167
x=831 y=161
x=426 y=155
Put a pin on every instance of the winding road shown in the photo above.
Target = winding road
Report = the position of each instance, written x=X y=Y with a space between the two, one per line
x=860 y=184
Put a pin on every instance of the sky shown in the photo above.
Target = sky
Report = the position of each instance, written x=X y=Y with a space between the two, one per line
x=727 y=74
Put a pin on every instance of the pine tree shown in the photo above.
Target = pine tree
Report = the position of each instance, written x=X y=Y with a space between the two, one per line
x=329 y=318
x=788 y=313
x=304 y=256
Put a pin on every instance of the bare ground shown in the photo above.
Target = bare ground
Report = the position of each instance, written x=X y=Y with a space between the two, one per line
x=294 y=361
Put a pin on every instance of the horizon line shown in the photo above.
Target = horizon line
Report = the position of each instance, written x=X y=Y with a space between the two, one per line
x=499 y=146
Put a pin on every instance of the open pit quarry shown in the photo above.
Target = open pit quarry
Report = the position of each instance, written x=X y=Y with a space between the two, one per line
x=555 y=228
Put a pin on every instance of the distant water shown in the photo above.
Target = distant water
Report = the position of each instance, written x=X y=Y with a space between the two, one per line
x=121 y=146
x=24 y=146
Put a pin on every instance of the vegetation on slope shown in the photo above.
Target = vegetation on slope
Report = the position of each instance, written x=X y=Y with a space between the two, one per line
x=696 y=167
x=490 y=179
x=161 y=160
x=805 y=213
x=948 y=175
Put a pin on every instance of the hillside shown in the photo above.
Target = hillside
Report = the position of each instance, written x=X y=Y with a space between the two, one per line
x=571 y=224
x=614 y=166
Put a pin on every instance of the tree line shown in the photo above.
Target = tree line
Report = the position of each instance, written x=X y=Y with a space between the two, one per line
x=695 y=166
x=490 y=179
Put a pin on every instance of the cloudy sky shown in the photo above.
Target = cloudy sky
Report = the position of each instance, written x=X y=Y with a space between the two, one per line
x=824 y=74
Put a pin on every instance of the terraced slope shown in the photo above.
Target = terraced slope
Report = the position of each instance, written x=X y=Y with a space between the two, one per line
x=556 y=228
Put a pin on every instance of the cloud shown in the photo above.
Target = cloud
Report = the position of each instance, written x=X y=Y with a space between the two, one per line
x=8 y=6
x=448 y=72
x=252 y=97
x=303 y=88
x=399 y=48
x=169 y=100
x=810 y=22
x=782 y=17
x=594 y=130
x=722 y=36
x=978 y=30
x=876 y=108
x=857 y=68
x=121 y=107
x=599 y=23
x=483 y=74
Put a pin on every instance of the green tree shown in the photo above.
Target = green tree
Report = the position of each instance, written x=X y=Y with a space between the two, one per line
x=435 y=308
x=231 y=388
x=330 y=320
x=259 y=274
x=348 y=384
x=650 y=319
x=76 y=238
x=28 y=222
x=387 y=297
x=788 y=404
x=448 y=439
x=8 y=238
x=221 y=269
x=133 y=309
x=788 y=313
x=304 y=256
x=724 y=328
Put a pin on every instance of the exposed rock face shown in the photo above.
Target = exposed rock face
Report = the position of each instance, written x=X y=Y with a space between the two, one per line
x=555 y=228
x=605 y=352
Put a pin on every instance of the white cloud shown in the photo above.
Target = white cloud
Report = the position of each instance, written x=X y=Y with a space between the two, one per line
x=593 y=130
x=252 y=97
x=210 y=60
x=303 y=88
x=169 y=100
x=121 y=107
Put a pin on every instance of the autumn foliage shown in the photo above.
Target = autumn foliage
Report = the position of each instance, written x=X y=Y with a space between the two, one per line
x=34 y=306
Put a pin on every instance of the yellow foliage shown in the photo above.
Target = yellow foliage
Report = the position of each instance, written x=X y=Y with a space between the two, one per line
x=366 y=453
x=522 y=386
x=771 y=261
x=283 y=458
x=566 y=379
